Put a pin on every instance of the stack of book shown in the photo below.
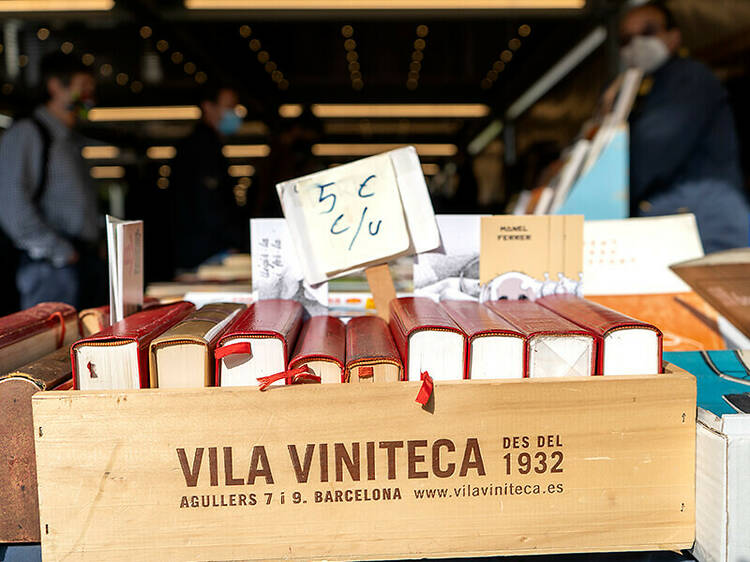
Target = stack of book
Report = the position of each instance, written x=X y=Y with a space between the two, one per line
x=32 y=333
x=228 y=344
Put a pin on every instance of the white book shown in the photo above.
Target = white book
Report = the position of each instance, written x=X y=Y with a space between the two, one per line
x=522 y=202
x=428 y=339
x=258 y=342
x=628 y=91
x=495 y=348
x=545 y=199
x=555 y=346
x=125 y=252
x=569 y=174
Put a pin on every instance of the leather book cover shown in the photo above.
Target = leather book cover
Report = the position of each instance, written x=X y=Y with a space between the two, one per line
x=47 y=373
x=142 y=328
x=415 y=314
x=323 y=338
x=532 y=319
x=59 y=318
x=277 y=318
x=595 y=318
x=477 y=321
x=95 y=319
x=368 y=343
x=19 y=504
x=204 y=327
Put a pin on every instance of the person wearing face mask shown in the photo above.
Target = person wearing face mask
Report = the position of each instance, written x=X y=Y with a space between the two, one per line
x=48 y=201
x=684 y=154
x=207 y=219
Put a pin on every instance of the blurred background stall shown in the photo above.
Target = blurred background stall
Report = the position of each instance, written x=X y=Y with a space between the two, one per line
x=489 y=91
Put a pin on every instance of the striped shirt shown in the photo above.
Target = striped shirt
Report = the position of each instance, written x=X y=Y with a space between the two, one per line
x=67 y=210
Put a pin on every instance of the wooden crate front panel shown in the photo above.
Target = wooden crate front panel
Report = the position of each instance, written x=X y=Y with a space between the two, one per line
x=209 y=474
x=19 y=510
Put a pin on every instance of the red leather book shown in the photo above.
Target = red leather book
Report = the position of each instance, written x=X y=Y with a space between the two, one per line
x=94 y=320
x=33 y=333
x=428 y=339
x=257 y=343
x=322 y=347
x=495 y=348
x=371 y=353
x=555 y=347
x=117 y=357
x=625 y=346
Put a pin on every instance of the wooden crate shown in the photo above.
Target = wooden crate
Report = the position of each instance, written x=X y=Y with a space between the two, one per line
x=487 y=467
x=19 y=509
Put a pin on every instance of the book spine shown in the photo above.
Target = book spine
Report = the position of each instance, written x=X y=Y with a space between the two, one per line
x=401 y=341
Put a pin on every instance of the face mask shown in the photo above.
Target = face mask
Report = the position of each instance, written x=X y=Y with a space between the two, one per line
x=646 y=53
x=80 y=107
x=229 y=123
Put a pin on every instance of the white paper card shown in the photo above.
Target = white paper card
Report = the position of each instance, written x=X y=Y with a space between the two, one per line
x=125 y=249
x=451 y=271
x=632 y=256
x=277 y=272
x=359 y=214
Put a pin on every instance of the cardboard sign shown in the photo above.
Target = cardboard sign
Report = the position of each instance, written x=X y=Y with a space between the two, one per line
x=125 y=249
x=360 y=214
x=540 y=247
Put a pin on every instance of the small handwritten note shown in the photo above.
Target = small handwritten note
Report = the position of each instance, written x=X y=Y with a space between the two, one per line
x=347 y=217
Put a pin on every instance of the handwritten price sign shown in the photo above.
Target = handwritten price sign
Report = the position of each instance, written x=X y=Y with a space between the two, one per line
x=356 y=215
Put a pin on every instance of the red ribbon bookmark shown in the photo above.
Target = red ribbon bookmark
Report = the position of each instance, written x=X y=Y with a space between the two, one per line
x=300 y=375
x=305 y=377
x=59 y=316
x=239 y=348
x=425 y=391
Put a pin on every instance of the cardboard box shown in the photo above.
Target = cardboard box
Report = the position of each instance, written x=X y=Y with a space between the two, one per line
x=722 y=487
x=363 y=472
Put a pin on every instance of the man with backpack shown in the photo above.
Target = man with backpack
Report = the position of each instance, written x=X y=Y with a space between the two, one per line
x=48 y=201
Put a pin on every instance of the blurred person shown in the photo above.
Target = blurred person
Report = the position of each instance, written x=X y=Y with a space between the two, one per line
x=684 y=154
x=207 y=219
x=48 y=201
x=291 y=157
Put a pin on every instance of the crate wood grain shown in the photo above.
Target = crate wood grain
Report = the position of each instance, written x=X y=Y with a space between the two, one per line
x=19 y=511
x=19 y=508
x=342 y=472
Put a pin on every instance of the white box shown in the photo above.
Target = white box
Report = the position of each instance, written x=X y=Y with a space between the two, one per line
x=722 y=488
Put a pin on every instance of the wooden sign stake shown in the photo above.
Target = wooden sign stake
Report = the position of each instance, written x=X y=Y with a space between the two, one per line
x=382 y=288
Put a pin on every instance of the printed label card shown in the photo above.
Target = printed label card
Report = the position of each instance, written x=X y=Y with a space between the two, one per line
x=530 y=256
